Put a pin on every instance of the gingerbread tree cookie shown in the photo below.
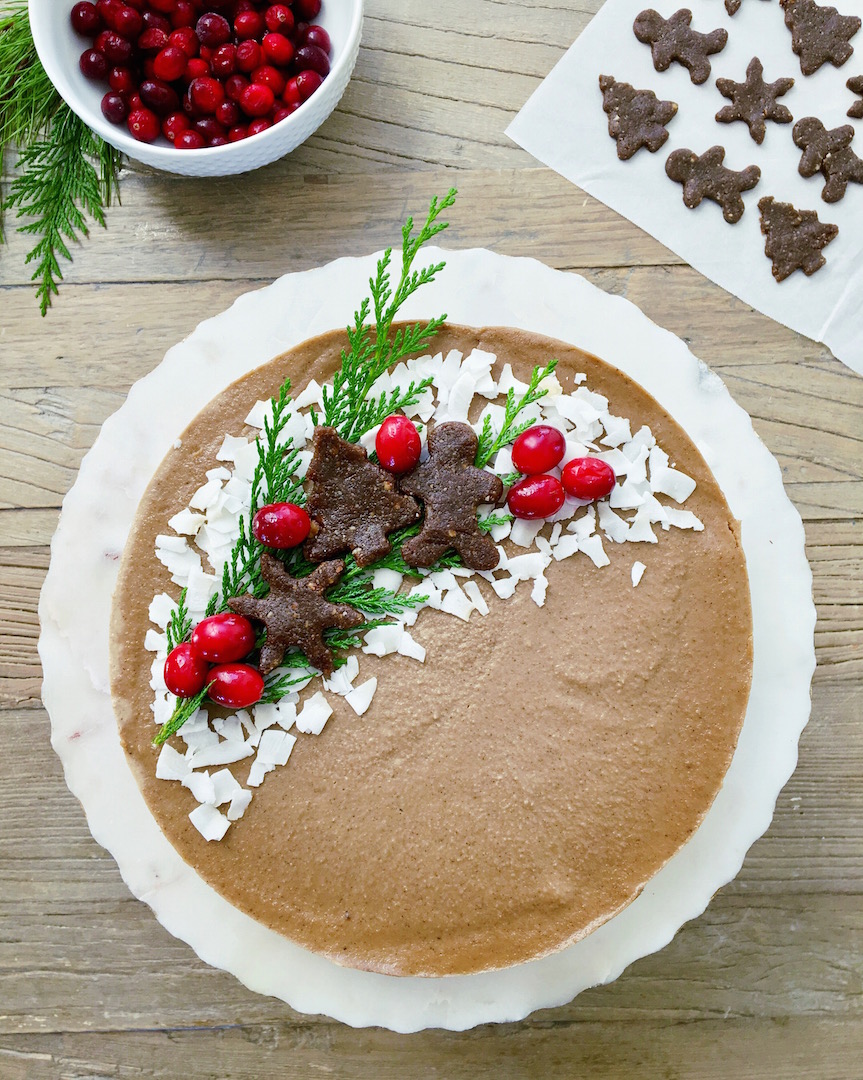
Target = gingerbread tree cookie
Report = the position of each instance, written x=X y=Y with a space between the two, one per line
x=754 y=100
x=830 y=153
x=352 y=502
x=855 y=85
x=705 y=177
x=296 y=613
x=636 y=118
x=451 y=488
x=819 y=34
x=794 y=238
x=673 y=39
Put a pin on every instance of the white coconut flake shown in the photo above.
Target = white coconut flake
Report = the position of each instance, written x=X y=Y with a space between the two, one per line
x=260 y=411
x=209 y=822
x=638 y=569
x=239 y=804
x=640 y=531
x=382 y=578
x=171 y=765
x=383 y=640
x=155 y=642
x=524 y=532
x=531 y=565
x=504 y=587
x=314 y=714
x=312 y=394
x=186 y=522
x=361 y=696
x=257 y=773
x=226 y=753
x=161 y=609
x=683 y=519
x=230 y=445
x=201 y=787
x=206 y=495
x=627 y=496
x=472 y=591
x=614 y=527
x=540 y=587
x=617 y=430
x=225 y=786
x=593 y=549
x=276 y=747
x=566 y=547
x=411 y=648
x=675 y=484
x=367 y=439
x=456 y=603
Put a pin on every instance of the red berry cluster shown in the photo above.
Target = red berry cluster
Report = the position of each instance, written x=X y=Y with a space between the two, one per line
x=540 y=494
x=223 y=640
x=202 y=72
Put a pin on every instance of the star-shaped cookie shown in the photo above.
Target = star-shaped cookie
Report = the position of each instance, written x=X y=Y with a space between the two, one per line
x=754 y=100
x=819 y=34
x=352 y=502
x=296 y=613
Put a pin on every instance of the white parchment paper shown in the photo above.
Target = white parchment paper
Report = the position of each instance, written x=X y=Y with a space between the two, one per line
x=564 y=126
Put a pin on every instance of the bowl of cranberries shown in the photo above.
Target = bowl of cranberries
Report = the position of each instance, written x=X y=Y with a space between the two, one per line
x=200 y=87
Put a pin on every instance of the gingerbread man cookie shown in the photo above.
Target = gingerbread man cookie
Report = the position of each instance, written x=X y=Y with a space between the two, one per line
x=636 y=118
x=674 y=39
x=830 y=153
x=705 y=177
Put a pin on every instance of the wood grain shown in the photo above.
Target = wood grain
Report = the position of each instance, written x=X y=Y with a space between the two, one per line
x=769 y=981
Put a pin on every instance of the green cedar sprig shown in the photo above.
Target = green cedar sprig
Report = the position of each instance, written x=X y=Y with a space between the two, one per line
x=179 y=626
x=489 y=443
x=184 y=709
x=348 y=407
x=65 y=172
x=486 y=524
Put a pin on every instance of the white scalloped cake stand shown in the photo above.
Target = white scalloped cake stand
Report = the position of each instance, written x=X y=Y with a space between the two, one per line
x=477 y=288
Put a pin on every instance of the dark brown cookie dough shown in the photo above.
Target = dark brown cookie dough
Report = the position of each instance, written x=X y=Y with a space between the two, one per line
x=855 y=85
x=451 y=488
x=819 y=34
x=636 y=118
x=673 y=39
x=754 y=100
x=352 y=502
x=705 y=177
x=794 y=238
x=296 y=614
x=830 y=153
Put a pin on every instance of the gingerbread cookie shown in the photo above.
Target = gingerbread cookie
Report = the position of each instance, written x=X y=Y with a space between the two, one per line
x=636 y=118
x=855 y=84
x=794 y=238
x=352 y=502
x=819 y=34
x=296 y=613
x=754 y=100
x=451 y=488
x=673 y=39
x=830 y=153
x=705 y=177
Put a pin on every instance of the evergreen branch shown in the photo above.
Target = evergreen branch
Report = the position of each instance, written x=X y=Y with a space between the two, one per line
x=486 y=524
x=489 y=443
x=276 y=686
x=184 y=709
x=180 y=624
x=347 y=406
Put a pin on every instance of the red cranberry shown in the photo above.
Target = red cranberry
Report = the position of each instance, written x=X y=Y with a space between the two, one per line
x=152 y=40
x=249 y=56
x=218 y=140
x=237 y=133
x=148 y=68
x=128 y=22
x=133 y=101
x=212 y=29
x=282 y=112
x=307 y=83
x=234 y=87
x=538 y=449
x=280 y=525
x=159 y=97
x=237 y=686
x=170 y=63
x=279 y=19
x=292 y=93
x=397 y=444
x=189 y=140
x=257 y=100
x=185 y=673
x=311 y=58
x=269 y=76
x=186 y=40
x=228 y=114
x=144 y=125
x=165 y=6
x=154 y=21
x=121 y=79
x=86 y=19
x=588 y=478
x=278 y=49
x=259 y=125
x=196 y=69
x=207 y=94
x=114 y=107
x=175 y=123
x=223 y=638
x=536 y=497
x=184 y=14
x=317 y=35
x=93 y=64
x=249 y=24
x=307 y=9
x=209 y=127
x=224 y=62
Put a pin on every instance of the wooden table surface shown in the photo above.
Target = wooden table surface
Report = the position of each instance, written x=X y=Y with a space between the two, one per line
x=768 y=982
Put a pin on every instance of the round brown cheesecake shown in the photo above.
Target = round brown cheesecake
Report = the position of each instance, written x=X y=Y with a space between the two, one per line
x=520 y=787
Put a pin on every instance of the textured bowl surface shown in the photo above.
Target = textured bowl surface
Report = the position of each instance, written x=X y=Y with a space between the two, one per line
x=59 y=49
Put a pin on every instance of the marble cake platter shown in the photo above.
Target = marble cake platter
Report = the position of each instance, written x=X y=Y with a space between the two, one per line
x=477 y=288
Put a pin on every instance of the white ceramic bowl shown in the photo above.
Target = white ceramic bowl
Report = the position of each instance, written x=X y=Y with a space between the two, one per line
x=59 y=49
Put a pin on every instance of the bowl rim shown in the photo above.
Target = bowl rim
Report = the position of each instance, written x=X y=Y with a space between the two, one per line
x=38 y=13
